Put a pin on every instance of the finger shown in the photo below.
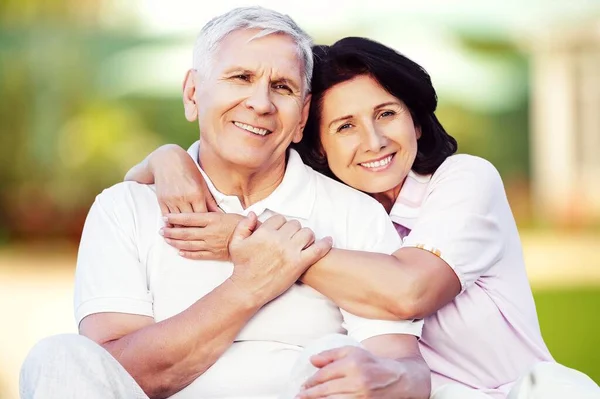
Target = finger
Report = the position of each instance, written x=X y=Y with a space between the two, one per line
x=304 y=237
x=199 y=255
x=331 y=371
x=164 y=209
x=172 y=209
x=329 y=356
x=184 y=233
x=211 y=204
x=319 y=249
x=185 y=207
x=187 y=245
x=274 y=222
x=244 y=228
x=190 y=219
x=290 y=228
x=199 y=207
x=326 y=389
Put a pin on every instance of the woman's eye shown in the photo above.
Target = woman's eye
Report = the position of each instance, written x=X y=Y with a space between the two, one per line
x=243 y=77
x=344 y=127
x=387 y=113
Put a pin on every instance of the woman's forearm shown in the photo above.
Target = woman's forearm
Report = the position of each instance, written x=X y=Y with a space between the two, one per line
x=410 y=284
x=359 y=282
x=163 y=156
x=140 y=173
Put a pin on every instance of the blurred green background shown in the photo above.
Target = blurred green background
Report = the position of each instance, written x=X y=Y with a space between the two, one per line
x=88 y=88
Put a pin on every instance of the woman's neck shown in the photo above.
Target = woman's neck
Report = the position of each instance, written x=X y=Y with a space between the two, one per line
x=388 y=198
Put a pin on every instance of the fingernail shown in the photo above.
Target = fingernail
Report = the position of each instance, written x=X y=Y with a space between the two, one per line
x=165 y=219
x=181 y=253
x=161 y=232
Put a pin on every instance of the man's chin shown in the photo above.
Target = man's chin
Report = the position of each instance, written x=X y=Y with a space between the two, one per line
x=249 y=161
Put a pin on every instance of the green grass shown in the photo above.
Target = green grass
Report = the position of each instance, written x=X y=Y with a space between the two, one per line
x=570 y=323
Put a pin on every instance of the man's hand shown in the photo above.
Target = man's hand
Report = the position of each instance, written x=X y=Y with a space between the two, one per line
x=201 y=235
x=352 y=372
x=269 y=259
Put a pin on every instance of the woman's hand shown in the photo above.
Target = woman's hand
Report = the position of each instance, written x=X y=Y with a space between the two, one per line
x=180 y=187
x=201 y=235
x=352 y=372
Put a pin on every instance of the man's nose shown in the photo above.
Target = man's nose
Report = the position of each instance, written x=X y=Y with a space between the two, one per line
x=260 y=100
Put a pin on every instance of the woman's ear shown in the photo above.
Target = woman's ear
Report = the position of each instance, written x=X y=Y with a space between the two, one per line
x=189 y=96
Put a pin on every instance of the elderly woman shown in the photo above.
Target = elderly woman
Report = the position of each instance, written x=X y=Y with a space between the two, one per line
x=372 y=126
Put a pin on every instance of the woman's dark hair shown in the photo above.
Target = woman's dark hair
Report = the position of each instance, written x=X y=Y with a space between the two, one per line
x=401 y=77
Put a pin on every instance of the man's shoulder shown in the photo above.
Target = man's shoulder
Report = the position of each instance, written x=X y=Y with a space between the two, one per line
x=129 y=195
x=342 y=194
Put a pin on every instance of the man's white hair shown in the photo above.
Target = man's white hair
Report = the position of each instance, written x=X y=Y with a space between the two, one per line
x=268 y=21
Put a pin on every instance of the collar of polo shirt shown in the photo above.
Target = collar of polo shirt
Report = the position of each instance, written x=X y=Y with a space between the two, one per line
x=294 y=197
x=407 y=207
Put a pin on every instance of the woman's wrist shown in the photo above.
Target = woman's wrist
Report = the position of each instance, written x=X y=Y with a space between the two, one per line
x=164 y=155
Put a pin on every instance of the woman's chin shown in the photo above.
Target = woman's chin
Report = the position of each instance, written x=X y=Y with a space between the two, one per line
x=375 y=188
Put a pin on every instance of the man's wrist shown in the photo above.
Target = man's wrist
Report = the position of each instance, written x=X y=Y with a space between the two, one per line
x=245 y=298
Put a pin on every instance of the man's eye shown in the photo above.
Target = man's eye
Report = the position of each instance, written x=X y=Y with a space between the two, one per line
x=282 y=87
x=243 y=77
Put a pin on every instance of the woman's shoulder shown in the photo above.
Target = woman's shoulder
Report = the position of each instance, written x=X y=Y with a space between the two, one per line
x=467 y=162
x=467 y=169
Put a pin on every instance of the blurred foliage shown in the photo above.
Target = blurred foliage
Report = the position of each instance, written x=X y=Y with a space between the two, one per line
x=64 y=136
x=570 y=322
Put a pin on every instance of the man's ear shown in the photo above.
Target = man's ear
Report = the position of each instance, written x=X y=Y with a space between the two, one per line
x=305 y=108
x=189 y=96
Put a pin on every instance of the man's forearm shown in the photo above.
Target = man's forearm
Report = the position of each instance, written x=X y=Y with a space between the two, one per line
x=166 y=357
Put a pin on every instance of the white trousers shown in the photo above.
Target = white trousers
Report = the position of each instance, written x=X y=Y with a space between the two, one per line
x=545 y=380
x=72 y=366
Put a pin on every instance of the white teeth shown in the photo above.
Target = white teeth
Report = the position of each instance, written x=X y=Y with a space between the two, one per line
x=378 y=164
x=251 y=129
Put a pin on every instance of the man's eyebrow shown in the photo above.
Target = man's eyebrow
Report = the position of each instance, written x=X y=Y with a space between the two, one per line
x=238 y=70
x=341 y=118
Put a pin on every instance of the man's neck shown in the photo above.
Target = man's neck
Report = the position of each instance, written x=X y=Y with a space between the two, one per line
x=249 y=185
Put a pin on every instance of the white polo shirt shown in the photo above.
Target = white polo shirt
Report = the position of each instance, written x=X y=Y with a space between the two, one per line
x=125 y=266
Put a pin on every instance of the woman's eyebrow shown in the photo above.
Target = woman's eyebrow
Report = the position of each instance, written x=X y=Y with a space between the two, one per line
x=388 y=103
x=341 y=118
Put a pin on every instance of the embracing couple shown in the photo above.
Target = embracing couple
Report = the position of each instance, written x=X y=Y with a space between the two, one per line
x=320 y=240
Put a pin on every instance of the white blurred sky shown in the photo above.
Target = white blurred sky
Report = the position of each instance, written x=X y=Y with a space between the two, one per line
x=423 y=30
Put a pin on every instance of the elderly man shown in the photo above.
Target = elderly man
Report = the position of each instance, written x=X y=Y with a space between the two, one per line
x=154 y=324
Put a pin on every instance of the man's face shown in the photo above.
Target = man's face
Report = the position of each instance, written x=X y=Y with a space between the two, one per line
x=249 y=103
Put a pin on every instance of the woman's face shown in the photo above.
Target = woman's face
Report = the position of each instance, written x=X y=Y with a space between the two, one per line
x=368 y=135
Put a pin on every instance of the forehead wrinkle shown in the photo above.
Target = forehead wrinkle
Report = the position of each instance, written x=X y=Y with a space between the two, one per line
x=259 y=66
